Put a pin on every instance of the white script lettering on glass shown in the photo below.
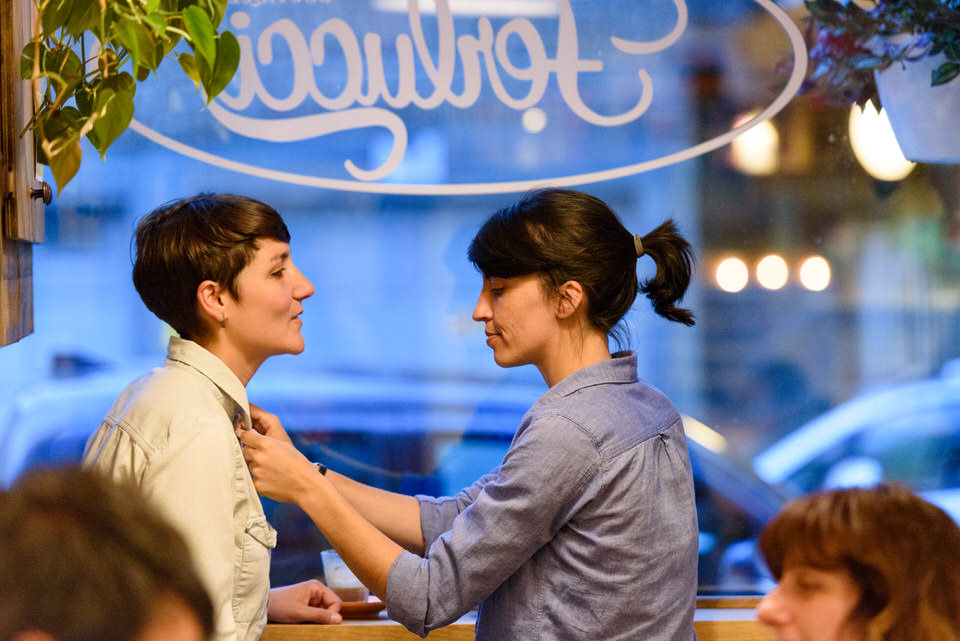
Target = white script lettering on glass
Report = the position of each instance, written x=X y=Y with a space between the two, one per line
x=353 y=108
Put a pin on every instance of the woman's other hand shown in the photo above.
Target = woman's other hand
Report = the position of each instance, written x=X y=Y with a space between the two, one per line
x=268 y=424
x=279 y=470
x=306 y=602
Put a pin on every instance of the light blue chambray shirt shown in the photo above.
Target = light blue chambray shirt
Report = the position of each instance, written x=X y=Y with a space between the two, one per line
x=587 y=529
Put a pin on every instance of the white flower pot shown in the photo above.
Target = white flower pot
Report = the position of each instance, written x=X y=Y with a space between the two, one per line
x=924 y=118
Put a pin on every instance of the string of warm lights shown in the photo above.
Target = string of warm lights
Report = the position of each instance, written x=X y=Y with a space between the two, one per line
x=772 y=272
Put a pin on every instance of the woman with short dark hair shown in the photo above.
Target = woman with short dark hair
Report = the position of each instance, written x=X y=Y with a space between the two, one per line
x=217 y=268
x=588 y=528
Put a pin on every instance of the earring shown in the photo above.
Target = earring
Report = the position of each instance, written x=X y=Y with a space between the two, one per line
x=223 y=320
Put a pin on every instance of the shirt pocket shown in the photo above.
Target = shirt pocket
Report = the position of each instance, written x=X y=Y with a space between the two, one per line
x=252 y=583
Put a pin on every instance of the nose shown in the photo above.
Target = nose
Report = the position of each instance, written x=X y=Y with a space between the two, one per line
x=481 y=311
x=303 y=288
x=770 y=610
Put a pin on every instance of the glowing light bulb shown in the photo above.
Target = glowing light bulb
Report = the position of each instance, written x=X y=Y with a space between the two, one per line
x=875 y=145
x=732 y=275
x=757 y=150
x=815 y=273
x=772 y=272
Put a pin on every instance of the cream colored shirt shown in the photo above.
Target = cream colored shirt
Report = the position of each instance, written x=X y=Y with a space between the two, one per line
x=172 y=432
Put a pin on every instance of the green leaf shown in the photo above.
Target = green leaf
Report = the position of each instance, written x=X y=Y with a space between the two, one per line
x=170 y=41
x=61 y=124
x=26 y=59
x=86 y=99
x=60 y=145
x=84 y=15
x=228 y=58
x=952 y=50
x=219 y=9
x=65 y=163
x=201 y=33
x=67 y=65
x=189 y=65
x=157 y=22
x=112 y=115
x=945 y=73
x=153 y=5
x=121 y=82
x=137 y=39
x=53 y=15
x=125 y=33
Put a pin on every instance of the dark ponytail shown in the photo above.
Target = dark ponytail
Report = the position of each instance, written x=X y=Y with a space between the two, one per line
x=673 y=256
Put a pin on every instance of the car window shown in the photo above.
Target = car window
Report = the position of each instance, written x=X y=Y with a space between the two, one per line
x=921 y=450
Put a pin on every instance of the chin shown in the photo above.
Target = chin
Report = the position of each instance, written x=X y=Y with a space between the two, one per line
x=503 y=362
x=295 y=347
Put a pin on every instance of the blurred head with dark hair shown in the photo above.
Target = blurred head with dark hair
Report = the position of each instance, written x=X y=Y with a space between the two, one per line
x=85 y=559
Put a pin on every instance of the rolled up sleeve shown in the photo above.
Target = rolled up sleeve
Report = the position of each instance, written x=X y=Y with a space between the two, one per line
x=479 y=538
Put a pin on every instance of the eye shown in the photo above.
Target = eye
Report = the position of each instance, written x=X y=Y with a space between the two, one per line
x=279 y=272
x=806 y=585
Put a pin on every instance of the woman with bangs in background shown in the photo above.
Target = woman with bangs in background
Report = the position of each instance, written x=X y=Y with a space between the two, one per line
x=859 y=564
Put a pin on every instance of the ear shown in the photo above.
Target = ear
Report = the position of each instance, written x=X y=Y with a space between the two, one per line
x=210 y=305
x=569 y=299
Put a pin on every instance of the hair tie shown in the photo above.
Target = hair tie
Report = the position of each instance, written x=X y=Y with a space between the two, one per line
x=638 y=245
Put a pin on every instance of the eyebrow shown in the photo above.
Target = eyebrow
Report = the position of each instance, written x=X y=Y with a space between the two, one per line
x=280 y=258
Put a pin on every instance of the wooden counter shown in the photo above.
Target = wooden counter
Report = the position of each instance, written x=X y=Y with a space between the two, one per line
x=717 y=619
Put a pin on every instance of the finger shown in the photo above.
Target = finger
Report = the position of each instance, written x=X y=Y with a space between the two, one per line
x=323 y=597
x=320 y=615
x=251 y=438
x=260 y=418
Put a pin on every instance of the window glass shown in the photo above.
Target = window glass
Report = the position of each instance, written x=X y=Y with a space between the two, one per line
x=396 y=385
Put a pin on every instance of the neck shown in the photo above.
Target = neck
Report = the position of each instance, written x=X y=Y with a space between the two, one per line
x=239 y=363
x=578 y=349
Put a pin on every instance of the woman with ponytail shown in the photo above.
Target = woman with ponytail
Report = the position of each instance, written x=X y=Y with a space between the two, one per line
x=587 y=529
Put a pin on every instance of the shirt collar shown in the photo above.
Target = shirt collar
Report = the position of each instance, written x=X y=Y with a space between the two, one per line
x=191 y=354
x=620 y=368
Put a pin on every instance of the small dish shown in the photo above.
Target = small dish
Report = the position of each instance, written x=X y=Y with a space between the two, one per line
x=361 y=609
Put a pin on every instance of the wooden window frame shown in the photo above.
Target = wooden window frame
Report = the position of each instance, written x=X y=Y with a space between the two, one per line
x=23 y=190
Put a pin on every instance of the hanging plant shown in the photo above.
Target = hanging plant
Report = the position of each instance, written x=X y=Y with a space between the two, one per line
x=851 y=39
x=86 y=57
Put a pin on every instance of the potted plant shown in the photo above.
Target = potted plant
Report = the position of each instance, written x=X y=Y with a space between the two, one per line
x=87 y=56
x=901 y=54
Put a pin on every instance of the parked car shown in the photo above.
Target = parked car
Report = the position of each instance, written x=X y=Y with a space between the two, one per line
x=907 y=433
x=411 y=436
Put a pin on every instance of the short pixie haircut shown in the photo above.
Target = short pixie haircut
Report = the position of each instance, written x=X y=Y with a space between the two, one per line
x=901 y=551
x=185 y=242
